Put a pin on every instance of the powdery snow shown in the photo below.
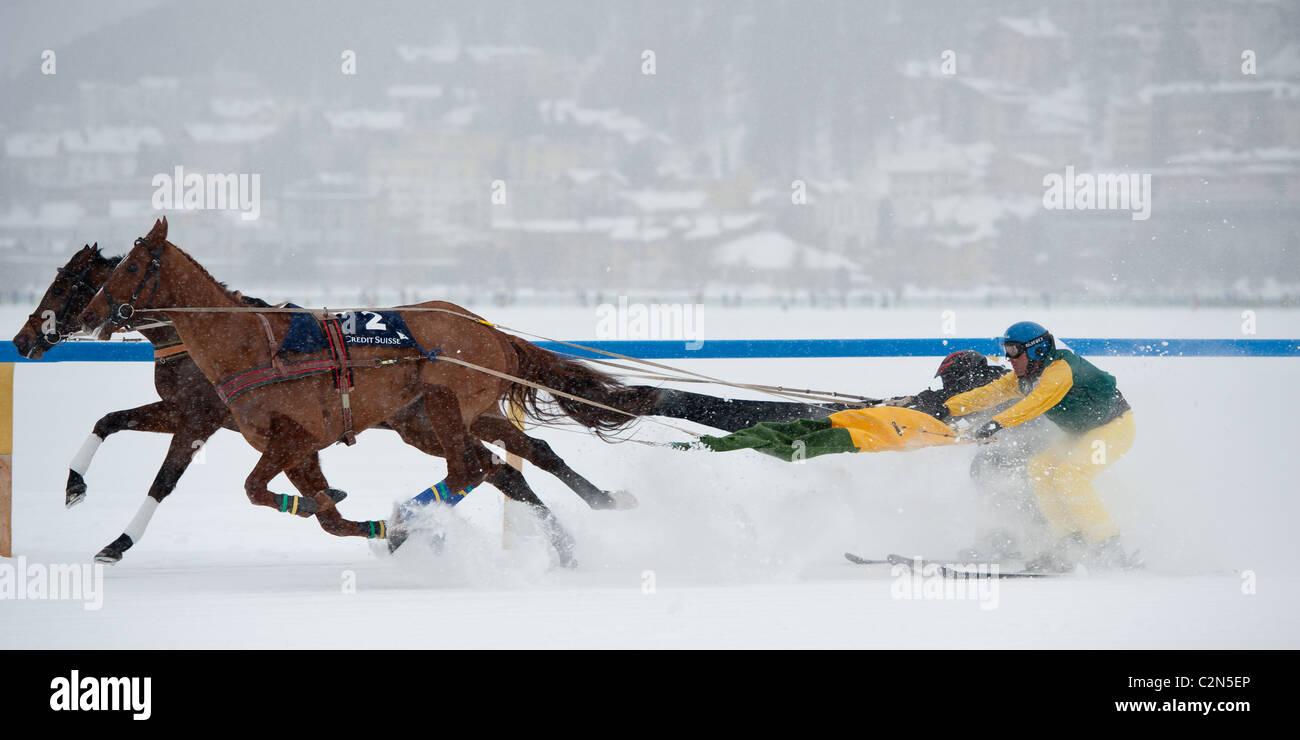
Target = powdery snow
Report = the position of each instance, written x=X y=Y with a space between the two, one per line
x=726 y=550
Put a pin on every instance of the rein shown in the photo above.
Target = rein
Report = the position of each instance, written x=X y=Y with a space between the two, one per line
x=685 y=375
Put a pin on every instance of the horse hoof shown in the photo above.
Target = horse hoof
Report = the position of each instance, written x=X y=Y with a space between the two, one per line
x=396 y=540
x=623 y=500
x=76 y=489
x=335 y=494
x=112 y=553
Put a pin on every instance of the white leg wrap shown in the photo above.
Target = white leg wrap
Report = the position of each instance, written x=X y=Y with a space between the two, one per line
x=135 y=530
x=81 y=462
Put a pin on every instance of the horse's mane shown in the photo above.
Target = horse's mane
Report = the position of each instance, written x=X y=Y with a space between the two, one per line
x=106 y=261
x=208 y=275
x=99 y=258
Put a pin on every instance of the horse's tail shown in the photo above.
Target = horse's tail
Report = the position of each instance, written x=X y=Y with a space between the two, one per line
x=549 y=369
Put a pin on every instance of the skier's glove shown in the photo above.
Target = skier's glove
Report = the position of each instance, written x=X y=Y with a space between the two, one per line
x=988 y=430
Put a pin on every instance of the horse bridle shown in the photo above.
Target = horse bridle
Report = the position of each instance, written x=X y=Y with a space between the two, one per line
x=60 y=317
x=121 y=313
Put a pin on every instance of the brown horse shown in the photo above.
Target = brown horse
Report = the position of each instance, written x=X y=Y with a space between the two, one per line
x=428 y=403
x=191 y=411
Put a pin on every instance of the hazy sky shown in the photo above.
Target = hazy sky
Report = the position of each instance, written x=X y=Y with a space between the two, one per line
x=28 y=26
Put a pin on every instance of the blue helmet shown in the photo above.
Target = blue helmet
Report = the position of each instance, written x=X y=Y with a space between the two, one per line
x=1026 y=336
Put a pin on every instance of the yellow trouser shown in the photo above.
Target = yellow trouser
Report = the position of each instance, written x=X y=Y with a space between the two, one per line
x=1062 y=479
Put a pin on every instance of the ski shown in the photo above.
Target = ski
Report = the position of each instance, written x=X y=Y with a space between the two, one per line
x=948 y=567
x=892 y=559
x=951 y=572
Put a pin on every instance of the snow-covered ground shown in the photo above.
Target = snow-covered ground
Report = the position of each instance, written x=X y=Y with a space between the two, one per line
x=726 y=550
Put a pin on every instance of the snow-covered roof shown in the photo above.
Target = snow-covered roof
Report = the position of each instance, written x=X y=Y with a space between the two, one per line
x=657 y=201
x=999 y=90
x=111 y=139
x=446 y=54
x=772 y=250
x=97 y=140
x=939 y=156
x=837 y=186
x=1040 y=27
x=582 y=176
x=631 y=128
x=369 y=120
x=919 y=69
x=415 y=92
x=229 y=132
x=328 y=186
x=1278 y=89
x=483 y=54
x=460 y=117
x=1063 y=109
x=1218 y=162
x=977 y=216
x=238 y=107
x=709 y=226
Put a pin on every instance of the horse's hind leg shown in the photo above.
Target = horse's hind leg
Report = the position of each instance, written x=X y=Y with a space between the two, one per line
x=309 y=479
x=159 y=416
x=539 y=453
x=185 y=442
x=511 y=482
x=417 y=431
x=468 y=461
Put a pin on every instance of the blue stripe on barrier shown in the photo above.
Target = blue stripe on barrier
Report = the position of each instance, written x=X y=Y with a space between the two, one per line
x=778 y=348
x=86 y=352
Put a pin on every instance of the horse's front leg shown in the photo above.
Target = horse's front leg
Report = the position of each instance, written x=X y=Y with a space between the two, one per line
x=185 y=443
x=160 y=416
x=309 y=479
x=287 y=444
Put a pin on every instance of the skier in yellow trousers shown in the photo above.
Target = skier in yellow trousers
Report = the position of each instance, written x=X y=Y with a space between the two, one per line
x=1084 y=402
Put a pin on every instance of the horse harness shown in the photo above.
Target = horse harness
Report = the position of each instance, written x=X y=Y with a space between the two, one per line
x=339 y=364
x=78 y=284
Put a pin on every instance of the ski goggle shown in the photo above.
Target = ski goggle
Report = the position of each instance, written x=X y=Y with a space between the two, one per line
x=1013 y=349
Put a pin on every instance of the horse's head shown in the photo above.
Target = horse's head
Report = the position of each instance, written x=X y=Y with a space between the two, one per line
x=132 y=285
x=58 y=314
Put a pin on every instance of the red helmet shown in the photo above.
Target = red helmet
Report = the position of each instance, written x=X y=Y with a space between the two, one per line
x=961 y=362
